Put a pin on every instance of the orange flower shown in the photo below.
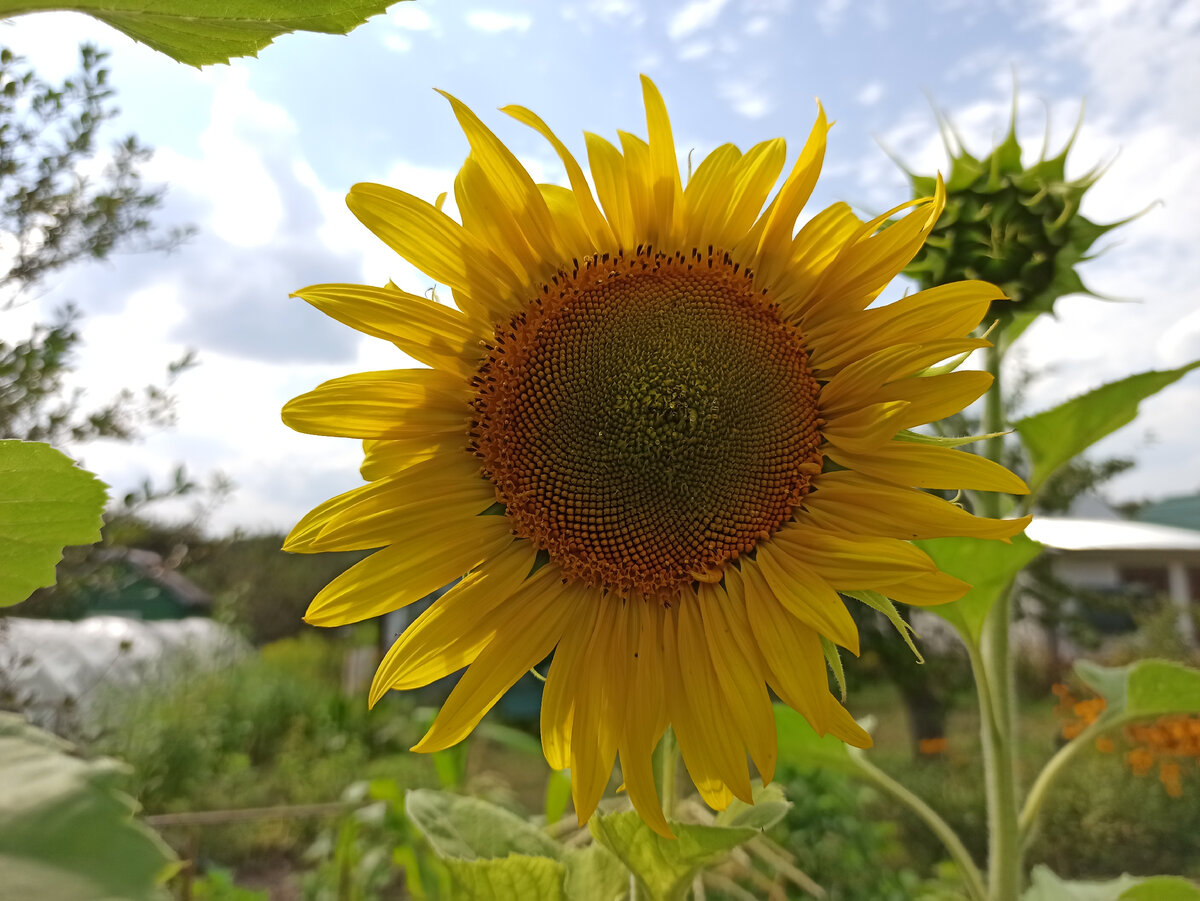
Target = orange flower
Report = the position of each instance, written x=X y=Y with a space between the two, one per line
x=931 y=747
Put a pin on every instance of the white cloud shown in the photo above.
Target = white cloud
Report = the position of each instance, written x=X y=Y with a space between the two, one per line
x=829 y=14
x=747 y=99
x=693 y=17
x=759 y=25
x=246 y=207
x=695 y=50
x=870 y=93
x=411 y=16
x=493 y=22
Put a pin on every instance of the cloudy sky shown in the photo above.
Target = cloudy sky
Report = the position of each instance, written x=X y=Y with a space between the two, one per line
x=258 y=156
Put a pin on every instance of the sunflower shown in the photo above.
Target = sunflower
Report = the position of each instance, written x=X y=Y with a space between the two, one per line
x=659 y=431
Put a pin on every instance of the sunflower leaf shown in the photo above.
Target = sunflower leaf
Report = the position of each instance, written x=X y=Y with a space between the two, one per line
x=200 y=34
x=664 y=867
x=594 y=874
x=1049 y=887
x=465 y=828
x=513 y=878
x=944 y=440
x=769 y=807
x=1145 y=688
x=1054 y=436
x=988 y=566
x=799 y=743
x=833 y=658
x=65 y=831
x=884 y=605
x=46 y=502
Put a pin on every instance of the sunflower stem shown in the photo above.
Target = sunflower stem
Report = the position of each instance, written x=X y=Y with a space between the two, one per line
x=949 y=838
x=996 y=682
x=669 y=749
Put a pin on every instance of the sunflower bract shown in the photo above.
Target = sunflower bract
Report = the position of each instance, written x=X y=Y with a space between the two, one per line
x=622 y=439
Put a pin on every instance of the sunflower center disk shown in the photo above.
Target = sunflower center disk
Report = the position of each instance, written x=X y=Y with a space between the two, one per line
x=647 y=419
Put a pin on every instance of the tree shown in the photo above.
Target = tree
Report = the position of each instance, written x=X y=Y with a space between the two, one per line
x=60 y=204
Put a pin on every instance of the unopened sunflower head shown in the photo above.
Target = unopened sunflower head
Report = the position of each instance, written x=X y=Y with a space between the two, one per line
x=1016 y=226
x=659 y=430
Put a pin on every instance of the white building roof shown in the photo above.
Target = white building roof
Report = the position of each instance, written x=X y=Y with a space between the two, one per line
x=1110 y=535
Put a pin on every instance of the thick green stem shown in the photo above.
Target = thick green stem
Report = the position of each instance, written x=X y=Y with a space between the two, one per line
x=669 y=760
x=949 y=838
x=1041 y=785
x=996 y=682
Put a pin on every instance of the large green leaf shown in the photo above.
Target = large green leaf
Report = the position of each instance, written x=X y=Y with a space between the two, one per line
x=663 y=867
x=1145 y=688
x=471 y=829
x=769 y=807
x=513 y=878
x=800 y=745
x=46 y=502
x=204 y=33
x=65 y=831
x=1055 y=436
x=594 y=874
x=989 y=567
x=1162 y=888
x=1048 y=887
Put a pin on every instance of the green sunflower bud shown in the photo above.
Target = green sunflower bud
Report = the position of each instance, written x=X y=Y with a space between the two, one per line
x=1019 y=228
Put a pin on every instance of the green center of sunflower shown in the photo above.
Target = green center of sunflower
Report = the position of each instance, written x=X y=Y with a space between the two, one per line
x=647 y=419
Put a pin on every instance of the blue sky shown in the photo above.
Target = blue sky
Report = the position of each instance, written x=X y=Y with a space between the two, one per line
x=258 y=155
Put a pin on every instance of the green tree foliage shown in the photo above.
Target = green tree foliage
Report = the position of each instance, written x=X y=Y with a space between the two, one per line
x=60 y=206
x=54 y=207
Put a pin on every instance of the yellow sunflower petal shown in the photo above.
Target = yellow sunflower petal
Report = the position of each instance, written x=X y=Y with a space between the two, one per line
x=612 y=188
x=806 y=595
x=514 y=187
x=487 y=217
x=857 y=384
x=790 y=648
x=775 y=245
x=535 y=617
x=867 y=428
x=385 y=457
x=438 y=246
x=568 y=223
x=398 y=575
x=948 y=311
x=934 y=397
x=849 y=502
x=401 y=403
x=866 y=264
x=928 y=590
x=929 y=466
x=380 y=512
x=856 y=561
x=598 y=229
x=739 y=669
x=558 y=696
x=707 y=736
x=646 y=718
x=457 y=627
x=666 y=189
x=426 y=330
x=601 y=687
x=753 y=176
x=814 y=249
x=706 y=194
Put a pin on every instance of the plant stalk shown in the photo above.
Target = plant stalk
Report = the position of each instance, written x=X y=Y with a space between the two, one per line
x=669 y=749
x=1041 y=785
x=996 y=682
x=949 y=838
